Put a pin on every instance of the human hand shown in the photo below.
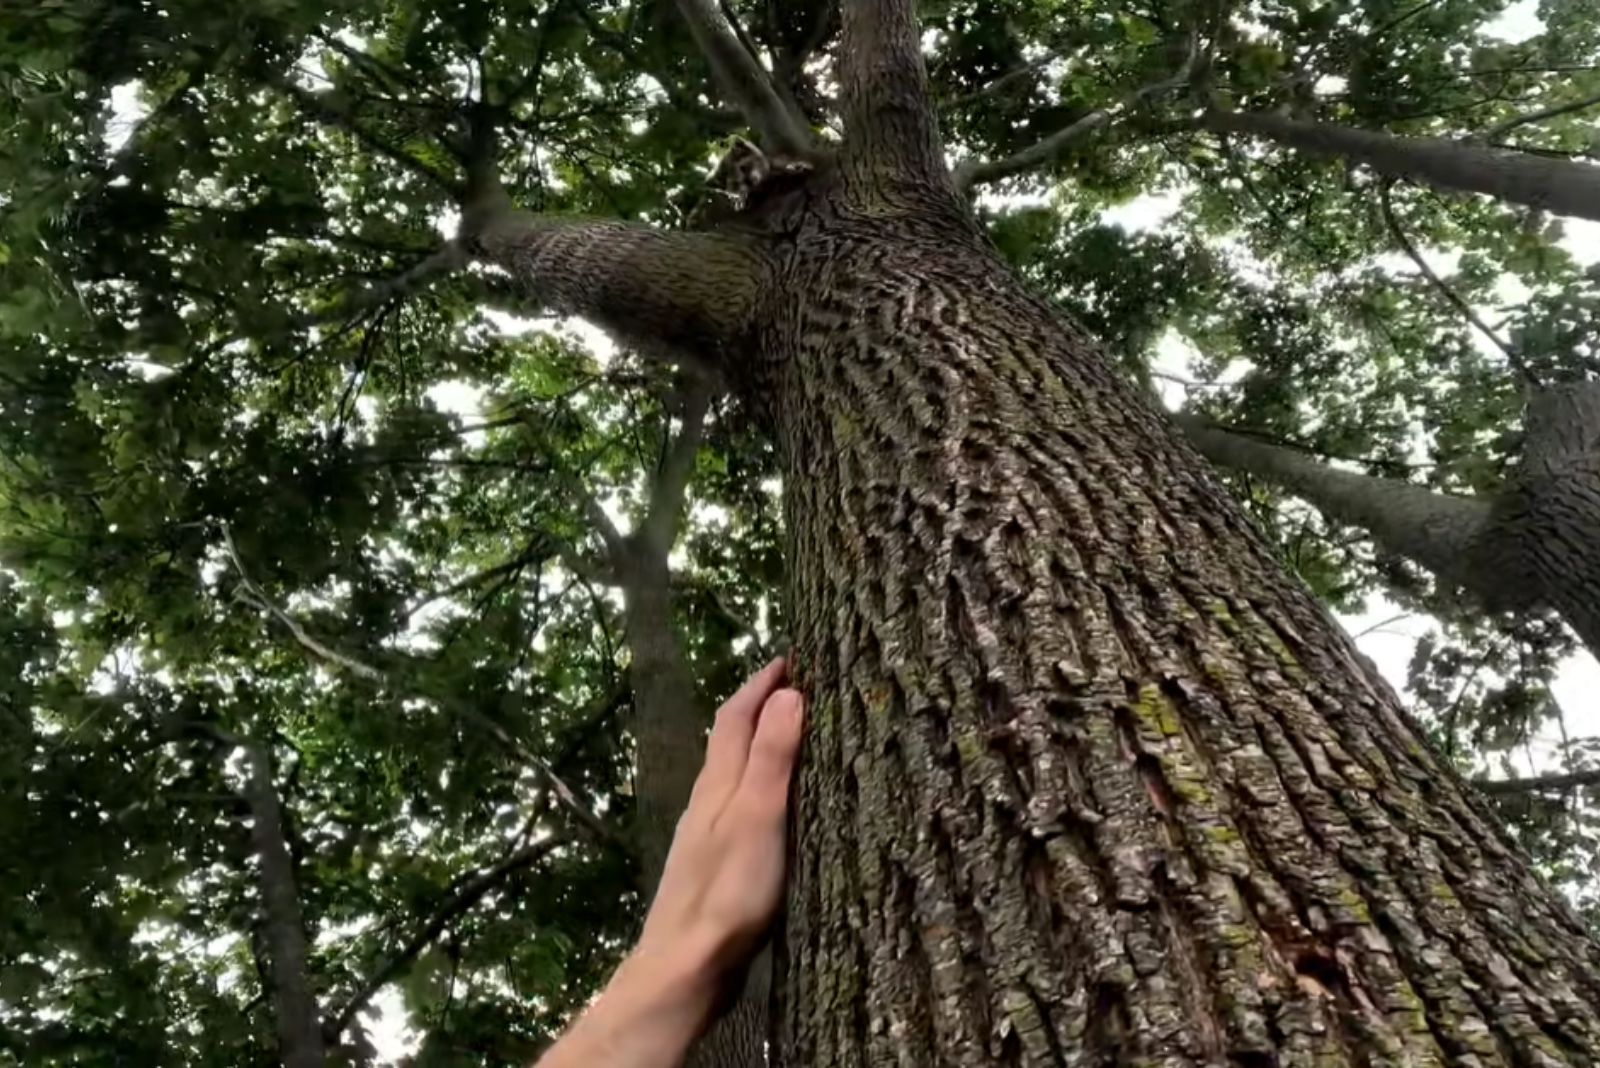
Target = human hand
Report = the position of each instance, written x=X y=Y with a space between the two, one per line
x=723 y=878
x=720 y=889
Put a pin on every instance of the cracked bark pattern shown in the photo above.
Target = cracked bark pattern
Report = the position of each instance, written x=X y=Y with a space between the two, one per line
x=672 y=293
x=1550 y=518
x=1566 y=187
x=1088 y=778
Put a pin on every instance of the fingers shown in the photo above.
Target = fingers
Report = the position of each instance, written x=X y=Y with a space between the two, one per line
x=729 y=745
x=765 y=784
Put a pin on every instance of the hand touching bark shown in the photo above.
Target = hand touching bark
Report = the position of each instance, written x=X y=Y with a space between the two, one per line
x=720 y=889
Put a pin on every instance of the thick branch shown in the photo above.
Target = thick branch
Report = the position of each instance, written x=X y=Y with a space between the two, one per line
x=778 y=125
x=367 y=673
x=457 y=904
x=1444 y=289
x=673 y=294
x=1053 y=147
x=1437 y=530
x=1539 y=783
x=1561 y=186
x=890 y=130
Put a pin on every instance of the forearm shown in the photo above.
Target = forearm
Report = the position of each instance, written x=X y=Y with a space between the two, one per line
x=651 y=1012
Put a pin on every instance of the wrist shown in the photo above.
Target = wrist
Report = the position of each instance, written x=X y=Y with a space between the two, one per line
x=676 y=981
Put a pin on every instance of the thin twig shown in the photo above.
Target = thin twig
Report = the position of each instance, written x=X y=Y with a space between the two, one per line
x=446 y=259
x=1454 y=299
x=459 y=903
x=366 y=672
x=1052 y=147
x=1563 y=781
x=1500 y=129
x=1397 y=617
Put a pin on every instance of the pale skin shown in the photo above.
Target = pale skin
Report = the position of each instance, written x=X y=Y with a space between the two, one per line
x=719 y=892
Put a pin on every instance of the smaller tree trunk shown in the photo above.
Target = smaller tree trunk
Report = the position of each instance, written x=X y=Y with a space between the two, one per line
x=669 y=730
x=1547 y=524
x=1561 y=186
x=294 y=1003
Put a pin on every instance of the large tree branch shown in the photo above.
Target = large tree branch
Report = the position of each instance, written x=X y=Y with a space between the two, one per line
x=463 y=900
x=1561 y=186
x=890 y=130
x=323 y=653
x=1437 y=530
x=1454 y=299
x=1053 y=147
x=778 y=124
x=294 y=1000
x=668 y=293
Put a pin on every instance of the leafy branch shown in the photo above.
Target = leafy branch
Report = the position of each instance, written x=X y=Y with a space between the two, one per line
x=463 y=900
x=1052 y=147
x=319 y=650
x=1454 y=299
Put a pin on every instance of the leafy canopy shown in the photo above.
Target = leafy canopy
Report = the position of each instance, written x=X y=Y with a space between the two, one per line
x=191 y=192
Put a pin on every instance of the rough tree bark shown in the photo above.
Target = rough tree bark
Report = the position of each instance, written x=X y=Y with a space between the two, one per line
x=1536 y=544
x=1562 y=186
x=1089 y=779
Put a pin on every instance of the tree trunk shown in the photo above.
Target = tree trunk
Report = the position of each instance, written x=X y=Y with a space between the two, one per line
x=669 y=730
x=294 y=1003
x=1549 y=520
x=669 y=720
x=1089 y=779
x=1562 y=186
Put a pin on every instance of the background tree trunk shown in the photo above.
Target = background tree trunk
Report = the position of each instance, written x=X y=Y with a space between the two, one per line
x=669 y=726
x=1562 y=186
x=294 y=1003
x=1549 y=518
x=1089 y=779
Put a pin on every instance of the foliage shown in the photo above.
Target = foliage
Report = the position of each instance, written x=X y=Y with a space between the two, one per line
x=407 y=481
